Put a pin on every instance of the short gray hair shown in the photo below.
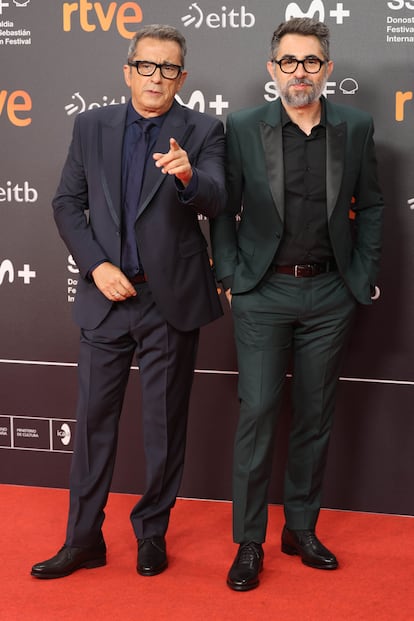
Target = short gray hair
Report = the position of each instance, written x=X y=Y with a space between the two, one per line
x=161 y=32
x=303 y=26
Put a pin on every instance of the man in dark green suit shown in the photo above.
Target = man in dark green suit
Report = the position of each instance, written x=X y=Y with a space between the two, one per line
x=294 y=270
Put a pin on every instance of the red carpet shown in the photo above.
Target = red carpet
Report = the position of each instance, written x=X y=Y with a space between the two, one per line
x=374 y=581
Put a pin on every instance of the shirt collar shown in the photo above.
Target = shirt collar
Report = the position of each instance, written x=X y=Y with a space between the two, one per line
x=133 y=116
x=285 y=118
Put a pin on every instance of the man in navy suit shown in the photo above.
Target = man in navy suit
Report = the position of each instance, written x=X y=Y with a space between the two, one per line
x=136 y=177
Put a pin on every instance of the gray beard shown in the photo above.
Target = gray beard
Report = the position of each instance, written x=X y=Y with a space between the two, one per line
x=298 y=100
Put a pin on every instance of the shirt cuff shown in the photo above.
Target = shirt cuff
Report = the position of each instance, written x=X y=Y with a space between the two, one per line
x=227 y=282
x=90 y=270
x=187 y=194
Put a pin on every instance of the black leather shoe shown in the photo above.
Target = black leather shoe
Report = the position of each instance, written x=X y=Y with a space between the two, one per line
x=306 y=544
x=152 y=556
x=244 y=573
x=69 y=559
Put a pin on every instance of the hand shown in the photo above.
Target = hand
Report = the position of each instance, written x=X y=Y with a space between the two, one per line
x=112 y=282
x=228 y=295
x=175 y=162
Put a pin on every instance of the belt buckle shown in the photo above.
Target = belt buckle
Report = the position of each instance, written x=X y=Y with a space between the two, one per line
x=296 y=271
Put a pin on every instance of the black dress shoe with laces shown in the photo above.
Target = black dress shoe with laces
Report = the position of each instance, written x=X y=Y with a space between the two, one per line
x=306 y=544
x=244 y=573
x=152 y=556
x=70 y=559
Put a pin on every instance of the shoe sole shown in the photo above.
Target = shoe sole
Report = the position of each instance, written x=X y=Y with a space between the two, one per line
x=99 y=562
x=247 y=587
x=286 y=549
x=152 y=572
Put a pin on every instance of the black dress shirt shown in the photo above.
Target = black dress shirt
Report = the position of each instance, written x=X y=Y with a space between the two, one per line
x=306 y=236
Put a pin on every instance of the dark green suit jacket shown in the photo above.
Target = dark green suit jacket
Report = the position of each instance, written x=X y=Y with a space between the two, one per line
x=255 y=184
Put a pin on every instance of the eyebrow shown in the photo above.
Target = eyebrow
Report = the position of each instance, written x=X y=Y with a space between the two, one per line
x=304 y=58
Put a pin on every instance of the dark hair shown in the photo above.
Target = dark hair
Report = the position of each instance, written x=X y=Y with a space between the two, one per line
x=302 y=26
x=161 y=32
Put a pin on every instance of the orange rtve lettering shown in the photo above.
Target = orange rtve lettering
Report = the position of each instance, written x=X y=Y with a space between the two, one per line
x=14 y=106
x=105 y=19
x=122 y=19
x=400 y=100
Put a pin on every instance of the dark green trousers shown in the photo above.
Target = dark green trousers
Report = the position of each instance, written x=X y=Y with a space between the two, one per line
x=306 y=321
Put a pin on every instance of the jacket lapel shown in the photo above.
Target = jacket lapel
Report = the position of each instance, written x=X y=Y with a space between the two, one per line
x=271 y=135
x=110 y=160
x=174 y=126
x=336 y=132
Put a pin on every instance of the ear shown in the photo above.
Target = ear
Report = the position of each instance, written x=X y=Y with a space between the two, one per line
x=181 y=80
x=127 y=75
x=271 y=69
x=329 y=67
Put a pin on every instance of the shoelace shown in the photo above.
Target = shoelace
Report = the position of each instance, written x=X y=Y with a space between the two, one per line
x=150 y=541
x=307 y=537
x=248 y=554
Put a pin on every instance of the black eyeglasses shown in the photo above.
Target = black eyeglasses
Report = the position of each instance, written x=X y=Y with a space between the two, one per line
x=289 y=64
x=147 y=68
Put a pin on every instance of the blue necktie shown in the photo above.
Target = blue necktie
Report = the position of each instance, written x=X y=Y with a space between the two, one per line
x=136 y=159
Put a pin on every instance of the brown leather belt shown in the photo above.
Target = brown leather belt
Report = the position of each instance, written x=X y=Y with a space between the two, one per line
x=138 y=279
x=306 y=270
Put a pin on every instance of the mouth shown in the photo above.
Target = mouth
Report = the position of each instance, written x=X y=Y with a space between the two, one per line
x=300 y=84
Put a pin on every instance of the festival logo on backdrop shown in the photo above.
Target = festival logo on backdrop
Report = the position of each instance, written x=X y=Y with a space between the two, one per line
x=40 y=434
x=196 y=101
x=13 y=24
x=10 y=272
x=16 y=107
x=224 y=17
x=12 y=193
x=5 y=435
x=316 y=10
x=79 y=103
x=400 y=22
x=90 y=16
x=62 y=434
x=403 y=102
x=31 y=433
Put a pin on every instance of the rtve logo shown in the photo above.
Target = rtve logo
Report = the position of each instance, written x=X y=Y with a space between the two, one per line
x=15 y=105
x=122 y=14
x=232 y=18
x=400 y=100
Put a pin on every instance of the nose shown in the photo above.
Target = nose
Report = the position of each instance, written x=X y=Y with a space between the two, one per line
x=157 y=76
x=300 y=70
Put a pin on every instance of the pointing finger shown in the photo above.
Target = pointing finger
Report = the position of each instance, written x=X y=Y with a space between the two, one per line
x=174 y=144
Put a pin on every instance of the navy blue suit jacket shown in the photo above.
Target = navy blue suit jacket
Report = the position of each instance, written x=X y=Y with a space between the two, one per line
x=87 y=209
